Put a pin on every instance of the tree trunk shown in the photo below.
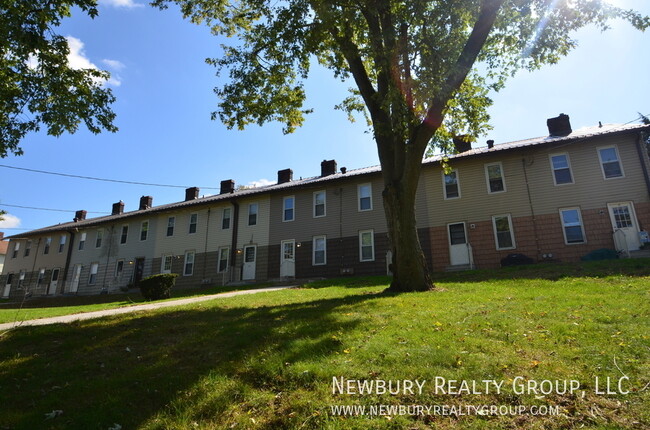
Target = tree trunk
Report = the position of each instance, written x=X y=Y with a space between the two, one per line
x=409 y=265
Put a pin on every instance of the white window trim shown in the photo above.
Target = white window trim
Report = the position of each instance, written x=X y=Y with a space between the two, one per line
x=568 y=161
x=324 y=204
x=82 y=241
x=284 y=208
x=117 y=263
x=227 y=248
x=62 y=240
x=512 y=232
x=313 y=250
x=162 y=263
x=185 y=263
x=148 y=225
x=582 y=226
x=47 y=246
x=444 y=185
x=487 y=178
x=372 y=236
x=257 y=214
x=618 y=157
x=99 y=235
x=196 y=229
x=126 y=240
x=369 y=184
x=223 y=212
x=173 y=226
x=90 y=273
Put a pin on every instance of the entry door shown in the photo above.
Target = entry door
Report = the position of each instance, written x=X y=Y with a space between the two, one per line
x=139 y=271
x=288 y=258
x=54 y=282
x=458 y=249
x=76 y=276
x=250 y=252
x=624 y=219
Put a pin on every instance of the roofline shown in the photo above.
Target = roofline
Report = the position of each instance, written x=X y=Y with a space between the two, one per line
x=574 y=137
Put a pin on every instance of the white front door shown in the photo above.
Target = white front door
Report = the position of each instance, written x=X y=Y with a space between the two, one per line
x=459 y=252
x=250 y=252
x=624 y=219
x=288 y=258
x=54 y=282
x=76 y=275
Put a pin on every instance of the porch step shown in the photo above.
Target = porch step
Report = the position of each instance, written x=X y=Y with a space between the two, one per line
x=458 y=268
x=642 y=253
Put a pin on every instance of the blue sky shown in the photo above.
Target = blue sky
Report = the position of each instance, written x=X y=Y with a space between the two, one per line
x=164 y=100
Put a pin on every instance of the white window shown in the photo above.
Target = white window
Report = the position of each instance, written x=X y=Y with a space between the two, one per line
x=252 y=213
x=364 y=192
x=503 y=233
x=62 y=243
x=144 y=230
x=92 y=278
x=494 y=178
x=48 y=243
x=41 y=276
x=28 y=248
x=572 y=226
x=21 y=278
x=225 y=219
x=610 y=162
x=224 y=256
x=99 y=238
x=288 y=208
x=171 y=222
x=319 y=204
x=451 y=185
x=167 y=264
x=366 y=245
x=189 y=264
x=319 y=246
x=82 y=242
x=125 y=234
x=16 y=249
x=119 y=268
x=561 y=167
x=194 y=219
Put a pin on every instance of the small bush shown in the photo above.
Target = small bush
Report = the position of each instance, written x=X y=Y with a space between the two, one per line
x=158 y=287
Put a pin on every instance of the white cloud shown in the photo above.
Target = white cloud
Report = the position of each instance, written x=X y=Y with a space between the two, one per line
x=121 y=3
x=114 y=64
x=260 y=183
x=78 y=60
x=9 y=221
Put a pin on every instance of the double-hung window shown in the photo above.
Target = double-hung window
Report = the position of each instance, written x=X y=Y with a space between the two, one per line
x=610 y=163
x=144 y=230
x=572 y=226
x=319 y=245
x=188 y=269
x=494 y=177
x=82 y=242
x=253 y=208
x=16 y=249
x=503 y=233
x=92 y=278
x=288 y=208
x=28 y=248
x=99 y=238
x=561 y=167
x=48 y=243
x=366 y=245
x=319 y=204
x=451 y=184
x=194 y=219
x=119 y=268
x=62 y=243
x=171 y=222
x=125 y=234
x=364 y=192
x=224 y=254
x=225 y=219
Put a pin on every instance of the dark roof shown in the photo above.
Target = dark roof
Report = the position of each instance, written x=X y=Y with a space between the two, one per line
x=574 y=137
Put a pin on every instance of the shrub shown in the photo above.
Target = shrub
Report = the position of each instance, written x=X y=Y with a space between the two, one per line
x=158 y=287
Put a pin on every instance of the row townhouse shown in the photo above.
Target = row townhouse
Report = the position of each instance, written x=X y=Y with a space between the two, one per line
x=552 y=198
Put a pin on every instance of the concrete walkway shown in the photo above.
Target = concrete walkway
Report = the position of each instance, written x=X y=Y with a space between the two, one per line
x=134 y=308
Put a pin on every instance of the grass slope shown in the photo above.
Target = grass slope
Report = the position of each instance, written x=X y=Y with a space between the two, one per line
x=267 y=361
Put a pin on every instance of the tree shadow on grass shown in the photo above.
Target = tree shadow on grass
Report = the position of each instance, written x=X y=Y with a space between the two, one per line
x=127 y=369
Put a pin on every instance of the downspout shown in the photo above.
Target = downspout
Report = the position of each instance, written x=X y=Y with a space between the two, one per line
x=38 y=244
x=643 y=157
x=532 y=209
x=341 y=247
x=205 y=249
x=108 y=254
x=233 y=246
x=67 y=261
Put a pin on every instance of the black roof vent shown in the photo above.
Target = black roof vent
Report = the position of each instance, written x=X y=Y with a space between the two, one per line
x=285 y=175
x=227 y=186
x=145 y=202
x=559 y=126
x=490 y=144
x=118 y=208
x=328 y=167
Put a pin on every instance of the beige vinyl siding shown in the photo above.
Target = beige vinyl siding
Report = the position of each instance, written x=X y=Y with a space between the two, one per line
x=36 y=258
x=257 y=234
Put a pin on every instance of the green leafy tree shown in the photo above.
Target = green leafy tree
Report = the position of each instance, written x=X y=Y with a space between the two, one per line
x=37 y=85
x=421 y=69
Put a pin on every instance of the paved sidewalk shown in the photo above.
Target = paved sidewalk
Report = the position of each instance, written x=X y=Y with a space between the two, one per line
x=134 y=308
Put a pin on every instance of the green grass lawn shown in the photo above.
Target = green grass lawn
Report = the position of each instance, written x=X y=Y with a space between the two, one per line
x=267 y=361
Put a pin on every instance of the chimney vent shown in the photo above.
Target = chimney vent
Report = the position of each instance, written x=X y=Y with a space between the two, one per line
x=80 y=216
x=490 y=144
x=344 y=170
x=462 y=143
x=145 y=202
x=191 y=193
x=285 y=175
x=118 y=208
x=227 y=186
x=328 y=167
x=559 y=126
